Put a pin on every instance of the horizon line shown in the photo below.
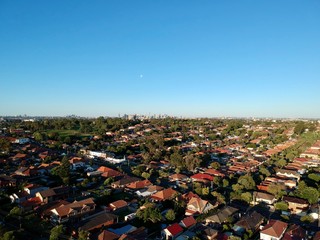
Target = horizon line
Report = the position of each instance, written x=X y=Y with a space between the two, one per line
x=156 y=116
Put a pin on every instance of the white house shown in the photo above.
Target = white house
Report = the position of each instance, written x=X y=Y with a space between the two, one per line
x=22 y=140
x=263 y=197
x=172 y=232
x=274 y=230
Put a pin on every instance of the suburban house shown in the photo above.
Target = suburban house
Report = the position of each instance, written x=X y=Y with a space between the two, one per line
x=201 y=177
x=32 y=189
x=19 y=157
x=7 y=181
x=99 y=220
x=296 y=205
x=274 y=230
x=27 y=172
x=76 y=163
x=222 y=216
x=163 y=195
x=148 y=191
x=107 y=235
x=109 y=172
x=22 y=140
x=134 y=186
x=263 y=197
x=188 y=222
x=187 y=196
x=73 y=211
x=52 y=194
x=123 y=182
x=172 y=232
x=126 y=229
x=30 y=204
x=136 y=234
x=295 y=232
x=312 y=152
x=248 y=222
x=214 y=172
x=19 y=197
x=118 y=205
x=178 y=177
x=210 y=234
x=316 y=236
x=288 y=174
x=198 y=206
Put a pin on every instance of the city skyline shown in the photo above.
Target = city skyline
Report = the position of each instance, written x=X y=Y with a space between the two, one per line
x=182 y=58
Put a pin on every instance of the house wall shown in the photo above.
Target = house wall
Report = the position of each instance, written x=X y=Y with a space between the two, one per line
x=166 y=234
x=265 y=200
x=267 y=237
x=295 y=207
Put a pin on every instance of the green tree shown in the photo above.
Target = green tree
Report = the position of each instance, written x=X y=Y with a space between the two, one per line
x=215 y=165
x=232 y=237
x=108 y=181
x=276 y=189
x=83 y=235
x=38 y=136
x=314 y=177
x=247 y=182
x=247 y=197
x=220 y=198
x=8 y=236
x=281 y=163
x=299 y=128
x=301 y=186
x=149 y=213
x=311 y=194
x=264 y=171
x=145 y=175
x=282 y=206
x=56 y=232
x=16 y=211
x=176 y=159
x=205 y=191
x=63 y=171
x=225 y=183
x=237 y=187
x=192 y=162
x=248 y=234
x=170 y=215
x=307 y=219
x=4 y=145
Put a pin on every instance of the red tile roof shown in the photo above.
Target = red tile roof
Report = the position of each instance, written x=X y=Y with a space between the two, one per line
x=189 y=195
x=139 y=184
x=109 y=172
x=188 y=221
x=274 y=228
x=175 y=229
x=164 y=194
x=214 y=172
x=177 y=176
x=107 y=235
x=202 y=176
x=118 y=204
x=294 y=232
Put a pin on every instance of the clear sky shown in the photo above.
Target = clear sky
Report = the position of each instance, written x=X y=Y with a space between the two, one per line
x=185 y=58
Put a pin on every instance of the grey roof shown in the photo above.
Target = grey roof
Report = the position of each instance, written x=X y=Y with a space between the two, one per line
x=263 y=195
x=222 y=215
x=54 y=191
x=251 y=221
x=97 y=220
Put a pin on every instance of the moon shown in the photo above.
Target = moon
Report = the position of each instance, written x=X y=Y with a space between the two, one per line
x=141 y=75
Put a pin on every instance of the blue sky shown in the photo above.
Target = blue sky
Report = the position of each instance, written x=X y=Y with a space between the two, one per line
x=184 y=58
